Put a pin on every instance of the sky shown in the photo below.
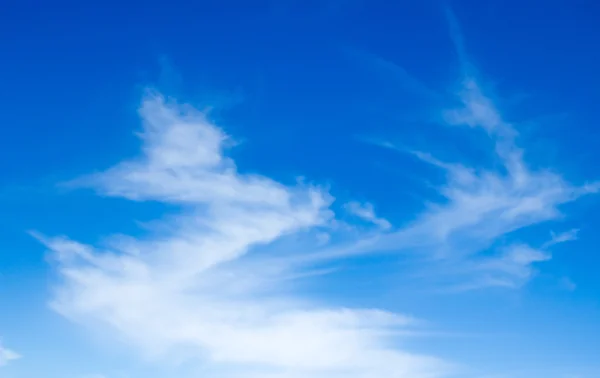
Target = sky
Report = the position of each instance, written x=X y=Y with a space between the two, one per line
x=293 y=189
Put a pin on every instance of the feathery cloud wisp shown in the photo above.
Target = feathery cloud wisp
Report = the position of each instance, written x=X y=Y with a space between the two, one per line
x=7 y=355
x=480 y=206
x=205 y=283
x=213 y=292
x=366 y=211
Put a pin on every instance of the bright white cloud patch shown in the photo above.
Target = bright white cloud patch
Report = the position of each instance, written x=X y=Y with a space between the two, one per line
x=203 y=287
x=7 y=355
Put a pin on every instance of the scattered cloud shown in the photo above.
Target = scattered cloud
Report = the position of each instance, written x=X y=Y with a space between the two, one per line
x=512 y=268
x=7 y=355
x=209 y=289
x=366 y=211
x=483 y=205
x=562 y=237
x=463 y=236
x=218 y=278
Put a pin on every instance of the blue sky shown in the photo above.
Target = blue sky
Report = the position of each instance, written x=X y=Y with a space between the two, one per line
x=286 y=189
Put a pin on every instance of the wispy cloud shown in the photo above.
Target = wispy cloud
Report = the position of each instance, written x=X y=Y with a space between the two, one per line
x=482 y=205
x=203 y=285
x=561 y=237
x=7 y=355
x=458 y=41
x=393 y=72
x=366 y=211
x=465 y=234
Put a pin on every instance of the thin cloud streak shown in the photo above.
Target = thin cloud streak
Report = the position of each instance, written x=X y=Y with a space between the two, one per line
x=391 y=70
x=459 y=236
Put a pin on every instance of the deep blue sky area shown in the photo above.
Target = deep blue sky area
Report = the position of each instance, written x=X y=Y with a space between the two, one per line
x=340 y=93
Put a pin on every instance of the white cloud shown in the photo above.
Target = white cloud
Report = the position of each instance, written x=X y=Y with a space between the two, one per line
x=512 y=268
x=7 y=355
x=203 y=284
x=210 y=282
x=562 y=237
x=366 y=211
x=482 y=205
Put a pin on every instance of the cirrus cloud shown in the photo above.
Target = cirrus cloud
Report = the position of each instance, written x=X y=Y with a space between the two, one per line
x=7 y=355
x=204 y=286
